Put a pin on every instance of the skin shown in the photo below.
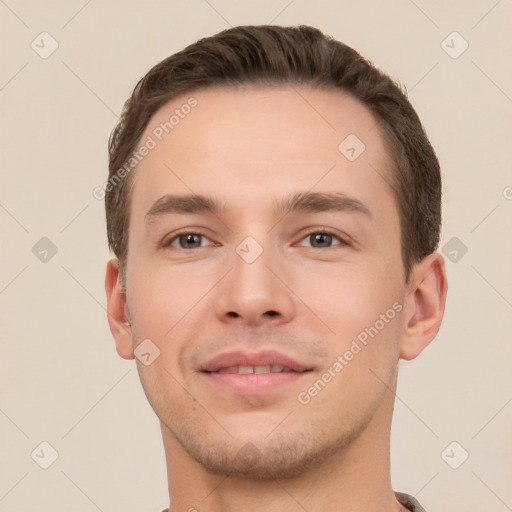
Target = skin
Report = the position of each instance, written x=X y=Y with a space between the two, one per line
x=247 y=147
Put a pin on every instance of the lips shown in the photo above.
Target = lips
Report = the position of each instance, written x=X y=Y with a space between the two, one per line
x=244 y=363
x=253 y=374
x=244 y=370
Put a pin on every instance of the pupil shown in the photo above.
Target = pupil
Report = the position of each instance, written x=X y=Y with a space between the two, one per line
x=320 y=238
x=190 y=240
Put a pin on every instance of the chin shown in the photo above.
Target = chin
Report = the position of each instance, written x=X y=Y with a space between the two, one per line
x=251 y=463
x=280 y=456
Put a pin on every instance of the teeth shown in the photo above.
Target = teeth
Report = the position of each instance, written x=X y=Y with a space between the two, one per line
x=244 y=370
x=227 y=370
x=262 y=369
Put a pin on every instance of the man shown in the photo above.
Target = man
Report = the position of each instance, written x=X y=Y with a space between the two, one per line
x=273 y=203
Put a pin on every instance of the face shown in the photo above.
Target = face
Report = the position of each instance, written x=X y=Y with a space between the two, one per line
x=275 y=299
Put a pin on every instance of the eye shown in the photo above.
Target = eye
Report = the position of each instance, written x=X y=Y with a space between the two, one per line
x=187 y=241
x=322 y=239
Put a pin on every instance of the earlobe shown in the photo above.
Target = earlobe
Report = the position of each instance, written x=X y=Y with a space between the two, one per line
x=117 y=312
x=425 y=304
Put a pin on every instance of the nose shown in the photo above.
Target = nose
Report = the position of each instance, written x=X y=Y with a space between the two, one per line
x=255 y=293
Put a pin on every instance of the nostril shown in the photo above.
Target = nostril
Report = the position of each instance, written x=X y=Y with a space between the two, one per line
x=234 y=314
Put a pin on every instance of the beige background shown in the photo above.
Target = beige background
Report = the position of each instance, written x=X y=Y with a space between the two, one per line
x=61 y=380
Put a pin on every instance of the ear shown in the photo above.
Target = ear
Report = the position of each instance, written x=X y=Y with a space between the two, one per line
x=424 y=305
x=117 y=310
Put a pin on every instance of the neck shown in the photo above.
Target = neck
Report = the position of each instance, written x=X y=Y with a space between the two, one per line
x=355 y=479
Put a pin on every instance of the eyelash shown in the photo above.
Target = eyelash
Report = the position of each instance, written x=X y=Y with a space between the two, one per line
x=169 y=242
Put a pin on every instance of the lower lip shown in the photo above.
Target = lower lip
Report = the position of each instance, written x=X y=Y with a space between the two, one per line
x=253 y=383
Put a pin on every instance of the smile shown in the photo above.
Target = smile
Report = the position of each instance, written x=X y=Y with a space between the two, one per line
x=243 y=370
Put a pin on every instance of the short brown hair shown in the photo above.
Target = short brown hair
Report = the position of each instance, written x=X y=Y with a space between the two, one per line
x=274 y=55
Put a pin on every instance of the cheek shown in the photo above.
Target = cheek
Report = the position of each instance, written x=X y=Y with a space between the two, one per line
x=362 y=310
x=362 y=362
x=350 y=298
x=160 y=294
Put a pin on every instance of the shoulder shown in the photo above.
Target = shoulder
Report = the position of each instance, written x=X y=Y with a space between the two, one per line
x=411 y=503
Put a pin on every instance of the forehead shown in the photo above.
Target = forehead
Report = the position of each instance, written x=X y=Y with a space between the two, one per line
x=236 y=143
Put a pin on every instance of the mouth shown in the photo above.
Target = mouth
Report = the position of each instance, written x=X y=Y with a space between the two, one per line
x=246 y=370
x=242 y=373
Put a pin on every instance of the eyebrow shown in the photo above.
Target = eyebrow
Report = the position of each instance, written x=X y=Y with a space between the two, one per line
x=298 y=202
